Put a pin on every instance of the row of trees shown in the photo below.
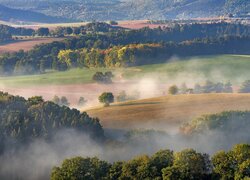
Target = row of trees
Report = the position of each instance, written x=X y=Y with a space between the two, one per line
x=117 y=56
x=208 y=87
x=112 y=49
x=63 y=101
x=6 y=32
x=165 y=164
x=224 y=123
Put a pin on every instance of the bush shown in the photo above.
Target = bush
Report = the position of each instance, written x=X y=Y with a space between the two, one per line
x=173 y=90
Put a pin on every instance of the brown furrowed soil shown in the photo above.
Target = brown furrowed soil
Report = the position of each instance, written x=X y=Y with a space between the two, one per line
x=26 y=44
x=168 y=112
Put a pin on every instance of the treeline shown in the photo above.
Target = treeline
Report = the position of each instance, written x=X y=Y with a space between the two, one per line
x=6 y=32
x=165 y=164
x=141 y=54
x=69 y=53
x=225 y=123
x=94 y=27
x=23 y=120
x=207 y=87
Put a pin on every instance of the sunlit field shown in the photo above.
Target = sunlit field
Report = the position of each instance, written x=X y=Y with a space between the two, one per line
x=216 y=68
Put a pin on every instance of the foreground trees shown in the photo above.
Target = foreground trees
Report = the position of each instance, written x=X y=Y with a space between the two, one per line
x=187 y=164
x=81 y=168
x=23 y=120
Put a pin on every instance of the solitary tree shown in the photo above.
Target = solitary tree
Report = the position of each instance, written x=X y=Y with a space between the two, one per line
x=106 y=98
x=173 y=90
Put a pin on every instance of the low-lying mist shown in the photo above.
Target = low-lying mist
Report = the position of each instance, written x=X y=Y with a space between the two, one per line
x=34 y=161
x=149 y=83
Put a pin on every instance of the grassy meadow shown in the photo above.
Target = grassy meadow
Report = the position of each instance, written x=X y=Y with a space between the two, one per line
x=216 y=68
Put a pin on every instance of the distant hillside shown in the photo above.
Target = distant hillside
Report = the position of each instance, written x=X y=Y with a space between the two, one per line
x=19 y=16
x=88 y=10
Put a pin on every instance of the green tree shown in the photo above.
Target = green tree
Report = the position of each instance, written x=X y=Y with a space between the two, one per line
x=106 y=98
x=188 y=164
x=223 y=165
x=139 y=168
x=173 y=90
x=115 y=171
x=162 y=159
x=69 y=57
x=243 y=171
x=43 y=31
x=79 y=168
x=35 y=100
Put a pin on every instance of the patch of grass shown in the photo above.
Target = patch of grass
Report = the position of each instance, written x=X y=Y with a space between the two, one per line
x=74 y=76
x=235 y=68
x=215 y=68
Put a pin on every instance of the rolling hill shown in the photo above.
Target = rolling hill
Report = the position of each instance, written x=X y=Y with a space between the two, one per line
x=166 y=112
x=20 y=16
x=88 y=10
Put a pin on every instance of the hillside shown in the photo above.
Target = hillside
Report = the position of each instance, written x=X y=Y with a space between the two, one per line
x=20 y=16
x=168 y=111
x=87 y=10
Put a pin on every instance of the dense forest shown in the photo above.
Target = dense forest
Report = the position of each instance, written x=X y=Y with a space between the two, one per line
x=164 y=164
x=24 y=120
x=117 y=48
x=49 y=56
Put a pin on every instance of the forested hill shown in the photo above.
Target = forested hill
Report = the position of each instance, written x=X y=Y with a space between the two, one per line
x=88 y=10
x=24 y=120
x=19 y=15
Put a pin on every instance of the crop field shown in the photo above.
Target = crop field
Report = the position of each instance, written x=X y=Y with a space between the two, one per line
x=168 y=112
x=25 y=44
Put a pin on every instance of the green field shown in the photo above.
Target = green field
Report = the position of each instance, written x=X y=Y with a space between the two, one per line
x=235 y=68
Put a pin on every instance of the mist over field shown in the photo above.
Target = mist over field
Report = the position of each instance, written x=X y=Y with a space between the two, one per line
x=35 y=160
x=163 y=98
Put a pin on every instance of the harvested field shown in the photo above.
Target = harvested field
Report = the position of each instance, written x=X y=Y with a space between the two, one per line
x=168 y=112
x=138 y=24
x=25 y=44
